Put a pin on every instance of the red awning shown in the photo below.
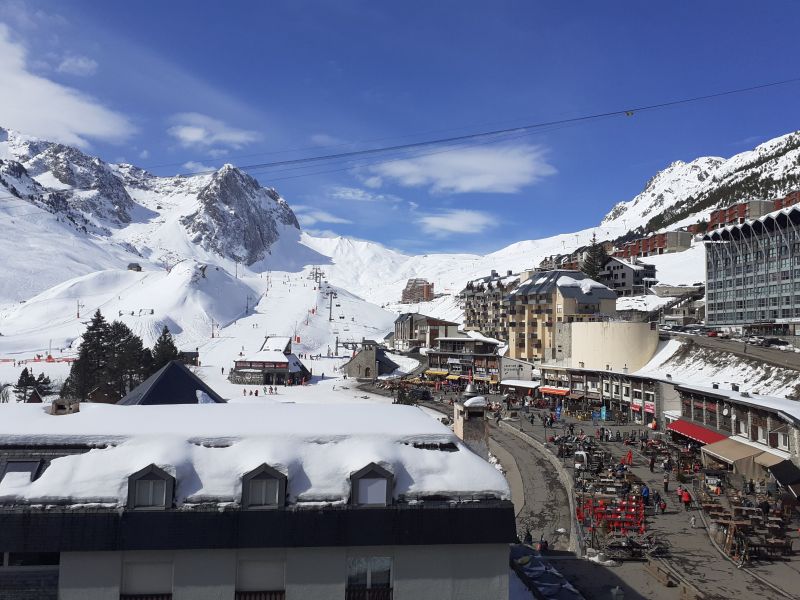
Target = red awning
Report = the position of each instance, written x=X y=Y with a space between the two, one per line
x=554 y=391
x=696 y=432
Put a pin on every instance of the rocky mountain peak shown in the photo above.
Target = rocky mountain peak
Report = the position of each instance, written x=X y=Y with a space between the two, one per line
x=238 y=218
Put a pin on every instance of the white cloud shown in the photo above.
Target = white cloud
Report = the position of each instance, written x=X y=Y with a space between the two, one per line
x=83 y=66
x=201 y=131
x=491 y=169
x=144 y=154
x=197 y=167
x=46 y=109
x=322 y=233
x=310 y=216
x=353 y=194
x=373 y=182
x=323 y=139
x=449 y=222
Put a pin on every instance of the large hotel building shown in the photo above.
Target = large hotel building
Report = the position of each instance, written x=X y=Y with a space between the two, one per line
x=753 y=274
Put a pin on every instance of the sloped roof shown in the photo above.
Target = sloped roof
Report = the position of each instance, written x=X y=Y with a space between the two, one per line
x=571 y=284
x=171 y=384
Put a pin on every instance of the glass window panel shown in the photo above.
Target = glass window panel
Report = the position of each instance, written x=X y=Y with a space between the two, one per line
x=357 y=572
x=380 y=571
x=264 y=492
x=372 y=491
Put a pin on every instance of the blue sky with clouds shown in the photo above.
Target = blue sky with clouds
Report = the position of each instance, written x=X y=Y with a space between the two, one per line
x=181 y=86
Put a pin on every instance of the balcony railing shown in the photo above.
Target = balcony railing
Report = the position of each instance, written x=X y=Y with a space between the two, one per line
x=265 y=595
x=145 y=597
x=373 y=594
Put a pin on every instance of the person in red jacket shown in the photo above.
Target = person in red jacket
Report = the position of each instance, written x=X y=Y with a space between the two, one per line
x=686 y=498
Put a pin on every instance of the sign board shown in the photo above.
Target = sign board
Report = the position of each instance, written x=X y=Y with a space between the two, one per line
x=650 y=407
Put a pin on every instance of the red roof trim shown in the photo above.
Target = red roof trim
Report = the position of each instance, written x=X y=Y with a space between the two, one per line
x=696 y=432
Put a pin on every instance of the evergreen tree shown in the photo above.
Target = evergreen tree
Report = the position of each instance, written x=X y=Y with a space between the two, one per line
x=25 y=384
x=596 y=258
x=128 y=366
x=92 y=366
x=164 y=350
x=44 y=385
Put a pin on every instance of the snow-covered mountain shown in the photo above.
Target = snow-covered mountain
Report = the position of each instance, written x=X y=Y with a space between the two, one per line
x=685 y=192
x=71 y=223
x=126 y=214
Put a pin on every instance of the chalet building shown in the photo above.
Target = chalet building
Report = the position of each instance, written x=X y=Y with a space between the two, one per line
x=551 y=297
x=417 y=290
x=485 y=306
x=244 y=502
x=369 y=361
x=173 y=383
x=739 y=213
x=471 y=356
x=573 y=260
x=608 y=394
x=656 y=244
x=751 y=435
x=413 y=330
x=628 y=277
x=273 y=364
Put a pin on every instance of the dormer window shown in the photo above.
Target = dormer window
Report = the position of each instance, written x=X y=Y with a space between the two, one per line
x=151 y=488
x=372 y=486
x=264 y=487
x=21 y=470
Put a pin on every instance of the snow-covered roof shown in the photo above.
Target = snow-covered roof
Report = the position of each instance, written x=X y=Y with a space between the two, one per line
x=266 y=356
x=571 y=284
x=476 y=402
x=790 y=408
x=276 y=343
x=520 y=383
x=208 y=447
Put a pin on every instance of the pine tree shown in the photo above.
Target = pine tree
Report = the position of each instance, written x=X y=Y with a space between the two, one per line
x=164 y=350
x=25 y=383
x=44 y=385
x=92 y=366
x=596 y=258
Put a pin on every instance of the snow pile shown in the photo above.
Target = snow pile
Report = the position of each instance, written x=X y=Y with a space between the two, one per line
x=405 y=365
x=476 y=402
x=692 y=364
x=645 y=303
x=208 y=450
x=586 y=285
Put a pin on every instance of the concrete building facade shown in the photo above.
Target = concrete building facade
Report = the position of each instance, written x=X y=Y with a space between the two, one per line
x=658 y=243
x=417 y=290
x=753 y=274
x=485 y=306
x=414 y=330
x=550 y=297
x=610 y=345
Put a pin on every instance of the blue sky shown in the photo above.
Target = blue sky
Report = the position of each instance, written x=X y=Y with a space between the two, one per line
x=181 y=86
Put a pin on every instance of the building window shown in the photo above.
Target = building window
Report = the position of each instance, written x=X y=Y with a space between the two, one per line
x=150 y=488
x=263 y=487
x=29 y=559
x=762 y=435
x=369 y=578
x=371 y=486
x=20 y=471
x=150 y=492
x=783 y=441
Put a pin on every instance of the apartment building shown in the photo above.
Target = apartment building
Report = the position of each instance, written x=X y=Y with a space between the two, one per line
x=485 y=306
x=470 y=356
x=417 y=290
x=739 y=213
x=414 y=330
x=628 y=277
x=753 y=274
x=247 y=502
x=653 y=245
x=547 y=298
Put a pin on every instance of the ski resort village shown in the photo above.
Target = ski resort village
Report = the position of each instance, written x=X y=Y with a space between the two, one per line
x=245 y=356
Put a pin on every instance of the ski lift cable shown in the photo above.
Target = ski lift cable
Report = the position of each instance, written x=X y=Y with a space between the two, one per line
x=627 y=112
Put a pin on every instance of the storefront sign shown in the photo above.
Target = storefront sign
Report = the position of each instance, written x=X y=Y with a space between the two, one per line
x=650 y=407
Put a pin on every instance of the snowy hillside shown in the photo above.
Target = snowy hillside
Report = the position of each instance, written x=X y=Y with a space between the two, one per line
x=684 y=192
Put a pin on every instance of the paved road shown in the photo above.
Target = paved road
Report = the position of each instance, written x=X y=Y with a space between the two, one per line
x=772 y=356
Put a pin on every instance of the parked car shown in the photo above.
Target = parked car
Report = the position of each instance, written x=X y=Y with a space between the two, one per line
x=775 y=342
x=712 y=333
